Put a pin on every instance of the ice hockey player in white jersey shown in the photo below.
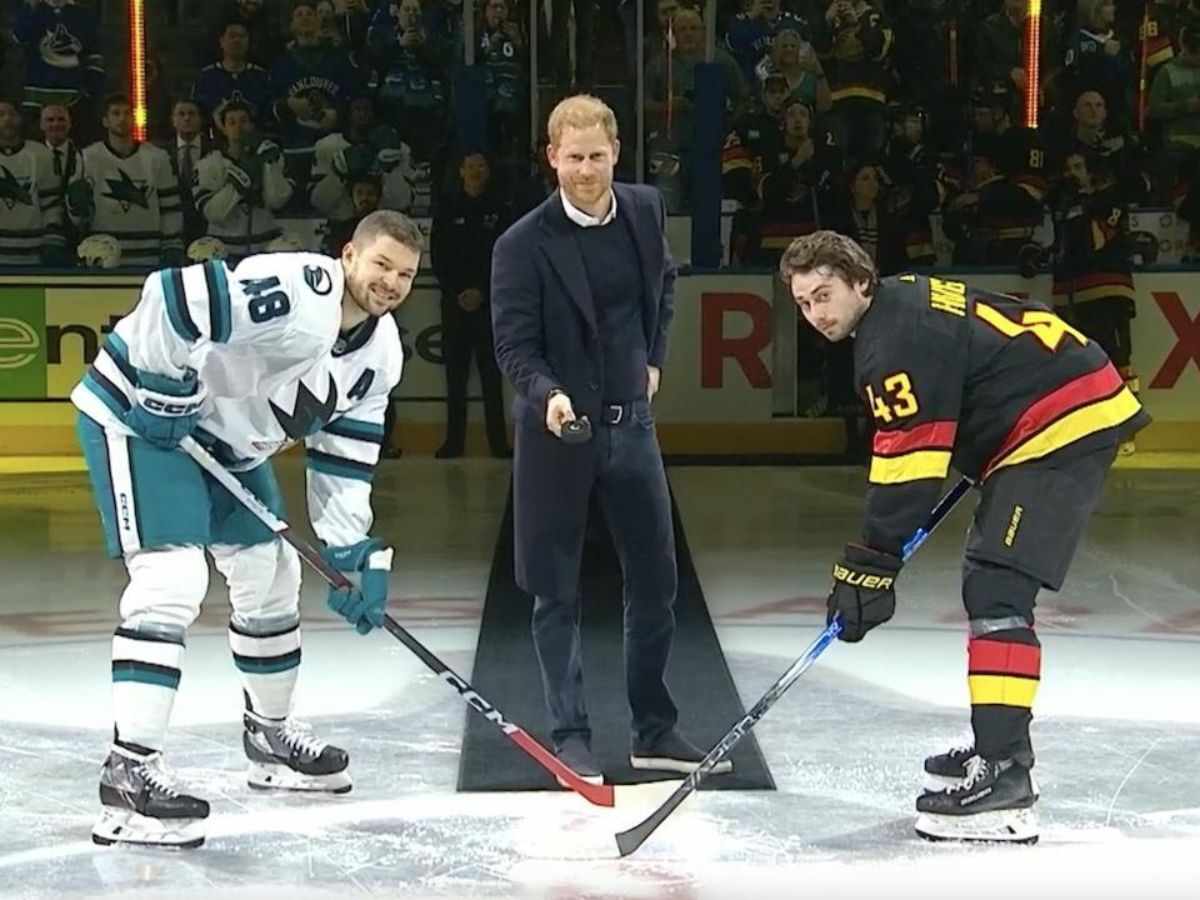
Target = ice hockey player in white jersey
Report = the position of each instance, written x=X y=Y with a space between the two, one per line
x=284 y=348
x=31 y=198
x=241 y=186
x=135 y=195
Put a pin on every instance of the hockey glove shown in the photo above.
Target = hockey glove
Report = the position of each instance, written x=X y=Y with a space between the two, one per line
x=359 y=158
x=387 y=159
x=166 y=410
x=364 y=605
x=80 y=201
x=864 y=590
x=269 y=152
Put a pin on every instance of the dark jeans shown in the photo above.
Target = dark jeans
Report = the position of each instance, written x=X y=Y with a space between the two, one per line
x=468 y=335
x=631 y=489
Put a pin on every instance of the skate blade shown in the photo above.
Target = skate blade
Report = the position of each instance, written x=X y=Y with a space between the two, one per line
x=666 y=764
x=265 y=777
x=1008 y=826
x=124 y=826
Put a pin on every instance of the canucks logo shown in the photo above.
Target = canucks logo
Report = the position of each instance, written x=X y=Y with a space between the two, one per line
x=14 y=191
x=127 y=192
x=60 y=48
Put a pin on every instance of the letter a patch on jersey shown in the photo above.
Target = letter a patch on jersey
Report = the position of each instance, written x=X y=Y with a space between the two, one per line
x=310 y=413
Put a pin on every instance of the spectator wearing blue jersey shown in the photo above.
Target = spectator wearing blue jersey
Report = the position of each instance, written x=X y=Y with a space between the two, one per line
x=752 y=32
x=63 y=64
x=234 y=77
x=503 y=55
x=344 y=23
x=1096 y=60
x=260 y=18
x=412 y=88
x=309 y=84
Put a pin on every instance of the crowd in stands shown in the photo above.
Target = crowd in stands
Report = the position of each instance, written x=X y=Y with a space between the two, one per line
x=868 y=117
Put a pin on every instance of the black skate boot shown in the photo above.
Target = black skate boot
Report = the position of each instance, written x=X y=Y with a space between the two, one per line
x=284 y=754
x=141 y=804
x=994 y=802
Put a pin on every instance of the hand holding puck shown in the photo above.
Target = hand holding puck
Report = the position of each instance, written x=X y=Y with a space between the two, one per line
x=577 y=431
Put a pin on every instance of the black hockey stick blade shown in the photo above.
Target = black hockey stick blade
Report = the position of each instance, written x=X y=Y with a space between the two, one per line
x=629 y=840
x=599 y=794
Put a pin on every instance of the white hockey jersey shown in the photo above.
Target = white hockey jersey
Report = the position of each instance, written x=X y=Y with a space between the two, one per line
x=244 y=228
x=31 y=206
x=263 y=339
x=136 y=200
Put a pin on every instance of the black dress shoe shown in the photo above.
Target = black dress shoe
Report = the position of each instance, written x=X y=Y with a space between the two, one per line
x=576 y=755
x=448 y=452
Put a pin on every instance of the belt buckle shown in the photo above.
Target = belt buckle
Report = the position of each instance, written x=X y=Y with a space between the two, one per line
x=616 y=412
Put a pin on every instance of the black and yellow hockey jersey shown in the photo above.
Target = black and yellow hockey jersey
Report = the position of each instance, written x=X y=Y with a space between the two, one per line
x=1096 y=262
x=981 y=381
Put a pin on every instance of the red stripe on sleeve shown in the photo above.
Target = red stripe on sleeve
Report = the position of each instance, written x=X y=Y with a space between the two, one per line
x=1004 y=658
x=930 y=436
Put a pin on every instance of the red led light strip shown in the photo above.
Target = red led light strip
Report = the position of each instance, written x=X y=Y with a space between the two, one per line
x=137 y=68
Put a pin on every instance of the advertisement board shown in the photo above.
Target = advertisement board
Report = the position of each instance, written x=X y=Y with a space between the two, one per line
x=721 y=370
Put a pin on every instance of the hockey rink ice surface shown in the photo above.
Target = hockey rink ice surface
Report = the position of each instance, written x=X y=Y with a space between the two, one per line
x=1117 y=729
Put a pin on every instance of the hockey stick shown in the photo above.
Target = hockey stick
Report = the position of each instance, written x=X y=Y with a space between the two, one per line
x=628 y=841
x=599 y=794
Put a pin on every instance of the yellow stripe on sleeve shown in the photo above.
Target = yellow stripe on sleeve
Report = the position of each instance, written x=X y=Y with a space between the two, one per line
x=909 y=467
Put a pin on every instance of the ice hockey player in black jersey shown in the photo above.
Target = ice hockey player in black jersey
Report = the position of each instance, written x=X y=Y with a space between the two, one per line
x=1031 y=409
x=1093 y=274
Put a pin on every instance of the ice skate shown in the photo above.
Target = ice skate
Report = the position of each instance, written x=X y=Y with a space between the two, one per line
x=947 y=770
x=141 y=804
x=284 y=754
x=994 y=802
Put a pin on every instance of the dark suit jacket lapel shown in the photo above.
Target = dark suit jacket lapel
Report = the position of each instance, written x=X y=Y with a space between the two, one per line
x=566 y=257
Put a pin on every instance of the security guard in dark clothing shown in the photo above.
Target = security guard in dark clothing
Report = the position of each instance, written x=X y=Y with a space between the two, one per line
x=466 y=222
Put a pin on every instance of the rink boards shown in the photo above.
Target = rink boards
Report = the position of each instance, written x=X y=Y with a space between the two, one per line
x=731 y=361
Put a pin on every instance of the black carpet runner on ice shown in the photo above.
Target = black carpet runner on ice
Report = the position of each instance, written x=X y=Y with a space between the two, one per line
x=506 y=673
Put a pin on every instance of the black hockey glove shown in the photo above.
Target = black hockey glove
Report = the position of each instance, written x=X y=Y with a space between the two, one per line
x=864 y=590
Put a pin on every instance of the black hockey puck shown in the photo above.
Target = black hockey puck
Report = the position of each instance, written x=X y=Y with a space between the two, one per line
x=577 y=431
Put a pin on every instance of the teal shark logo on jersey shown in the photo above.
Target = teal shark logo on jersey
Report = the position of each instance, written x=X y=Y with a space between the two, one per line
x=127 y=192
x=14 y=191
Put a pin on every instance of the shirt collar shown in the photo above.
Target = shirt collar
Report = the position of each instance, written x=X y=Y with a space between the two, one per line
x=587 y=220
x=180 y=143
